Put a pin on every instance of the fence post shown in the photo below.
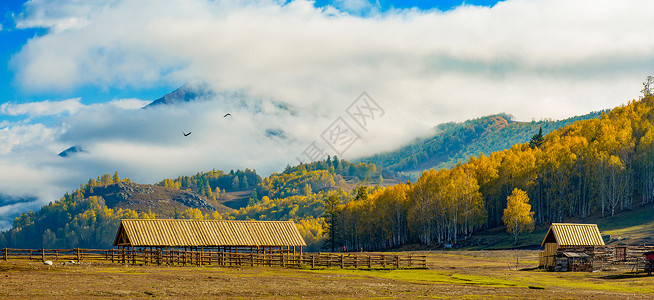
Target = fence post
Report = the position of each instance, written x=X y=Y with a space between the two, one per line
x=78 y=256
x=397 y=261
x=313 y=261
x=5 y=253
x=42 y=254
x=341 y=261
x=369 y=262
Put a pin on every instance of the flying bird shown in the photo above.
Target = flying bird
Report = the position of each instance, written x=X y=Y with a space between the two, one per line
x=227 y=114
x=186 y=134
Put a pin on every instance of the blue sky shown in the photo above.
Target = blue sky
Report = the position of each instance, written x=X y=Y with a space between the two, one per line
x=78 y=72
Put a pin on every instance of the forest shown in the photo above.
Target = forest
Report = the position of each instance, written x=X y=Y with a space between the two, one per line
x=593 y=167
x=455 y=142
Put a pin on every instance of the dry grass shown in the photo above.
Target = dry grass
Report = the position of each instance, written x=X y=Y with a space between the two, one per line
x=464 y=274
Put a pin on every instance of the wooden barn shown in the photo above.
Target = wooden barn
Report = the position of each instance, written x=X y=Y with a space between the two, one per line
x=570 y=247
x=213 y=235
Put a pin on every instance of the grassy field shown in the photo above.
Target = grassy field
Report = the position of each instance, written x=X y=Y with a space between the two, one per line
x=506 y=274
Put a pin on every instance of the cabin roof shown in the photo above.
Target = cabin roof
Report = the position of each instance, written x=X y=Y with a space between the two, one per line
x=567 y=234
x=207 y=233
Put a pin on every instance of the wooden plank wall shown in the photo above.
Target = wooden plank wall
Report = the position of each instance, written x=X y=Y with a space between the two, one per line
x=548 y=255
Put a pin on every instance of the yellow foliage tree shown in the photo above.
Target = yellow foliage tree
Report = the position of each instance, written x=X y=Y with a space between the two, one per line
x=518 y=216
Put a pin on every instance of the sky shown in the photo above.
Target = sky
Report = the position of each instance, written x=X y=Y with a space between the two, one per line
x=301 y=79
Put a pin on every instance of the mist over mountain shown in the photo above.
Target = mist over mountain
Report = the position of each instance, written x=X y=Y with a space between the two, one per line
x=71 y=151
x=186 y=93
x=456 y=142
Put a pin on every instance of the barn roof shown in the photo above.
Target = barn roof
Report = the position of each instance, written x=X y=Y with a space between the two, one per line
x=208 y=233
x=566 y=234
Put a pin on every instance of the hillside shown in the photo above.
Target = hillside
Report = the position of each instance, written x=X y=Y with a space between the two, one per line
x=589 y=171
x=148 y=198
x=89 y=216
x=455 y=143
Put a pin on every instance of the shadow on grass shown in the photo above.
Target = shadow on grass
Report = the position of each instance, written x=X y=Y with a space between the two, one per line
x=625 y=276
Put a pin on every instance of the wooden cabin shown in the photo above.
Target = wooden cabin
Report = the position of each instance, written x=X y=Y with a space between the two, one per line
x=570 y=246
x=214 y=235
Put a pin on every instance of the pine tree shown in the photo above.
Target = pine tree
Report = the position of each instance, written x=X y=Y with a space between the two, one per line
x=537 y=139
x=235 y=183
x=331 y=216
x=647 y=90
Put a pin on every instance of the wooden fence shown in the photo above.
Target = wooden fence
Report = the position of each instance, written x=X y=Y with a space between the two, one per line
x=210 y=258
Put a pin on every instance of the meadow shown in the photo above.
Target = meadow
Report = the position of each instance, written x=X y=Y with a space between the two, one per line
x=501 y=274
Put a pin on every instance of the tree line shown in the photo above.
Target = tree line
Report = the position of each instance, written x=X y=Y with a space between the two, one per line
x=595 y=167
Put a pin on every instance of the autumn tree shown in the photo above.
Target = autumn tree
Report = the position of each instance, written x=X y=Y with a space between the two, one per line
x=518 y=216
x=106 y=180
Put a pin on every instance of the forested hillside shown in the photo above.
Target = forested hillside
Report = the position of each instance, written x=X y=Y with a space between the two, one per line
x=457 y=142
x=89 y=216
x=597 y=167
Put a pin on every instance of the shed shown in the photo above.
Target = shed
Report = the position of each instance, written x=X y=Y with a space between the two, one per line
x=570 y=238
x=223 y=235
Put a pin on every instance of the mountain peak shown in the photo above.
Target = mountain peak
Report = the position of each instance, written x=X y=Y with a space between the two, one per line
x=70 y=151
x=186 y=93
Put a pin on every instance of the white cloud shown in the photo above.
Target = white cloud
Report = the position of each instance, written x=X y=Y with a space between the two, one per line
x=298 y=54
x=294 y=69
x=59 y=15
x=130 y=103
x=41 y=108
x=23 y=139
x=356 y=6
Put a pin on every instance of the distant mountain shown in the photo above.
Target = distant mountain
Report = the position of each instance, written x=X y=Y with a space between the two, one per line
x=457 y=142
x=70 y=151
x=186 y=93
